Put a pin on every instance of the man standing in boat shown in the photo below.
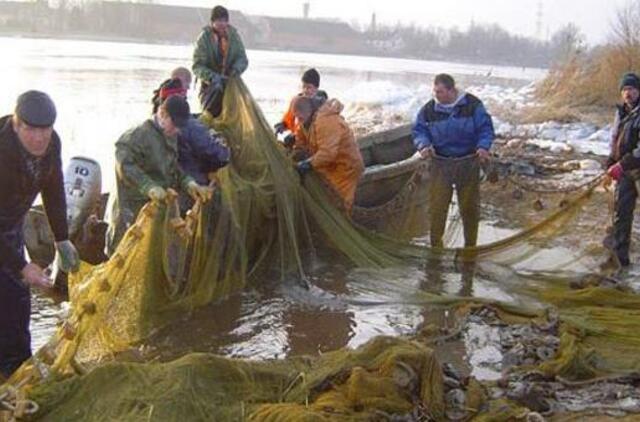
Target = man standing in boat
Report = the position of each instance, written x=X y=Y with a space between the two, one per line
x=455 y=131
x=624 y=166
x=219 y=54
x=31 y=165
x=329 y=142
x=147 y=165
x=310 y=88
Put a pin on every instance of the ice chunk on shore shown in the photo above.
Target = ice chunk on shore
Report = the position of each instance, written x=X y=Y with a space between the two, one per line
x=553 y=146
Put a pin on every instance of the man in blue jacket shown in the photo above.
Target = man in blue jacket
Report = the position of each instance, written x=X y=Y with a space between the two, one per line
x=455 y=131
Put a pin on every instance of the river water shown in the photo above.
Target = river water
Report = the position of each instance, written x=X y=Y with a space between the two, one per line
x=103 y=88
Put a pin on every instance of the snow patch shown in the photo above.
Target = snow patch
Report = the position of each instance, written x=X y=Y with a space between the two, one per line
x=552 y=146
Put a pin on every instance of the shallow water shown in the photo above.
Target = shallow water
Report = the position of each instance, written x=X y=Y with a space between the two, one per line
x=102 y=89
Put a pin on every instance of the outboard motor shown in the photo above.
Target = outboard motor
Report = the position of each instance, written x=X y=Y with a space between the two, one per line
x=83 y=187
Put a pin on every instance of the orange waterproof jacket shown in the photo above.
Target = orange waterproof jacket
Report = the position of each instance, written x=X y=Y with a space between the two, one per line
x=289 y=119
x=334 y=151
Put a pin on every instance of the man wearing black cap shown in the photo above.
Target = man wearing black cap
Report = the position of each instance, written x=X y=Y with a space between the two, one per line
x=147 y=165
x=219 y=54
x=623 y=166
x=31 y=165
x=310 y=88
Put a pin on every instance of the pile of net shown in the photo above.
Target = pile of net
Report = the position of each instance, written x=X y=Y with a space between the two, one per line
x=265 y=222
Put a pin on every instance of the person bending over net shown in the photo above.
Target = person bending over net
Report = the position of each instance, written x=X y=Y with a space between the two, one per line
x=456 y=132
x=31 y=165
x=147 y=165
x=219 y=54
x=310 y=88
x=201 y=151
x=329 y=142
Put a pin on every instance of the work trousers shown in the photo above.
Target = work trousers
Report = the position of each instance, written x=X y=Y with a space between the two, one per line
x=463 y=174
x=15 y=313
x=625 y=204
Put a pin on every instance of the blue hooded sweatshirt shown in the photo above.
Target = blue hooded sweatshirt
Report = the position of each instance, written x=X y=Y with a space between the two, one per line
x=454 y=130
x=199 y=151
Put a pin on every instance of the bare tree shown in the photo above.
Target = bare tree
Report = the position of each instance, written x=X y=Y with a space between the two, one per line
x=567 y=43
x=626 y=32
x=626 y=26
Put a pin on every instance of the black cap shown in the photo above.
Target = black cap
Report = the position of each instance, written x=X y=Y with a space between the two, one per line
x=630 y=79
x=36 y=108
x=219 y=12
x=312 y=77
x=178 y=109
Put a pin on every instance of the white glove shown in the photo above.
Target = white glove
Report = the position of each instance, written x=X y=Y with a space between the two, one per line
x=157 y=193
x=198 y=192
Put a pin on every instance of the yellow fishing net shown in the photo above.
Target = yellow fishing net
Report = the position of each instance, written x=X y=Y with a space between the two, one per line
x=266 y=222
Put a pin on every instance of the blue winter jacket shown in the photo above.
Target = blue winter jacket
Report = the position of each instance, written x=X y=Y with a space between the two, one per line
x=454 y=131
x=199 y=151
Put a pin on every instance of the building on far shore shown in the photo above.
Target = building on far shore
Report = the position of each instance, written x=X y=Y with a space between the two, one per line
x=176 y=24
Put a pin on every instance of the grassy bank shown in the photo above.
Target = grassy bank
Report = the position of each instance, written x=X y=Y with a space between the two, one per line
x=584 y=84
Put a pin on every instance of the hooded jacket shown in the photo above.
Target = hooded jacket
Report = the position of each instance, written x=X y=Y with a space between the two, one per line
x=289 y=119
x=145 y=157
x=454 y=130
x=208 y=60
x=200 y=152
x=333 y=150
x=19 y=187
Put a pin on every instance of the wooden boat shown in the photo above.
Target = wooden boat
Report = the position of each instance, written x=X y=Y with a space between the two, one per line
x=390 y=168
x=392 y=171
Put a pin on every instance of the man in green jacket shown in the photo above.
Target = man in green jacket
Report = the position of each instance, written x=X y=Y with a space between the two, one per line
x=147 y=165
x=219 y=54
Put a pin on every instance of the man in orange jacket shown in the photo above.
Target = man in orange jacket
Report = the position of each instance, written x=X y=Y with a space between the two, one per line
x=332 y=148
x=310 y=88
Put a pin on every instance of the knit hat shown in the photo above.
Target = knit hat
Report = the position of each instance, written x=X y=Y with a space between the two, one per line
x=312 y=77
x=36 y=108
x=171 y=87
x=178 y=109
x=630 y=79
x=219 y=12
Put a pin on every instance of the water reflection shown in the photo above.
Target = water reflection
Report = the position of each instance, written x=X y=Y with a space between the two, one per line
x=104 y=88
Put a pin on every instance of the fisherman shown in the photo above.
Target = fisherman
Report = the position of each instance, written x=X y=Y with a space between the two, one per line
x=455 y=131
x=310 y=88
x=184 y=75
x=219 y=55
x=623 y=166
x=201 y=151
x=31 y=165
x=330 y=144
x=147 y=165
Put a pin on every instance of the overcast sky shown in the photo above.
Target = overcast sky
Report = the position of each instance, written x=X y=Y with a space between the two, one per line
x=518 y=16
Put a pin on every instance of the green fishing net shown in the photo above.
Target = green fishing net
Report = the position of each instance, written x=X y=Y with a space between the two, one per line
x=266 y=221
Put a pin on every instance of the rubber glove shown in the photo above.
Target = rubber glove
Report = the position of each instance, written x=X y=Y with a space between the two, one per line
x=67 y=258
x=279 y=128
x=304 y=166
x=218 y=81
x=616 y=172
x=200 y=192
x=289 y=140
x=157 y=194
